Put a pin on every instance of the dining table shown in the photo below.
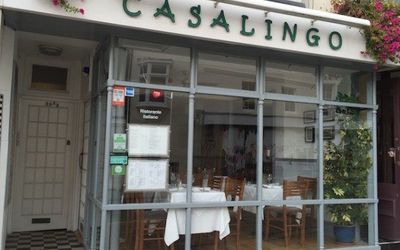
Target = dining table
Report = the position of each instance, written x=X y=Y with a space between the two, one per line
x=203 y=220
x=269 y=192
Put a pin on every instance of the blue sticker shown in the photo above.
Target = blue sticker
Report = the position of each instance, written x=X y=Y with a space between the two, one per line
x=129 y=91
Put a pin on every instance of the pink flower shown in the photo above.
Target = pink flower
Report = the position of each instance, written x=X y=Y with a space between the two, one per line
x=82 y=11
x=378 y=5
x=56 y=2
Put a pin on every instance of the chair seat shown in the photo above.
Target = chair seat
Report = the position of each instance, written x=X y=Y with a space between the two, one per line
x=289 y=209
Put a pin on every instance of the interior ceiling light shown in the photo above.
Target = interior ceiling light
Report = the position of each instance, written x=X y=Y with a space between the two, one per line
x=49 y=50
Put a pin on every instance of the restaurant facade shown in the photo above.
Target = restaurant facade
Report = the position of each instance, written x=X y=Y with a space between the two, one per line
x=187 y=124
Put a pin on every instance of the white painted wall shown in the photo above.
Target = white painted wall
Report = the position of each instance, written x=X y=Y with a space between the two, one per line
x=7 y=36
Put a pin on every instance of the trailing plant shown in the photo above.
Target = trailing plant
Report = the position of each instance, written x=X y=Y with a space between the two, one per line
x=382 y=36
x=346 y=167
x=68 y=7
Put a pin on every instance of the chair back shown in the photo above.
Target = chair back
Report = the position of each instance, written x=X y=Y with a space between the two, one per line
x=312 y=185
x=295 y=188
x=217 y=182
x=234 y=188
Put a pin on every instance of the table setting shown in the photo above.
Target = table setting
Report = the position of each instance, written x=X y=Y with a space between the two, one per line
x=271 y=191
x=204 y=220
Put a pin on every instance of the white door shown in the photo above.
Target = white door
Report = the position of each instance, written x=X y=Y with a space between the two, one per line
x=43 y=165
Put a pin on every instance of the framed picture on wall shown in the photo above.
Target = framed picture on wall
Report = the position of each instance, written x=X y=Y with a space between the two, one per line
x=309 y=116
x=329 y=114
x=329 y=132
x=309 y=134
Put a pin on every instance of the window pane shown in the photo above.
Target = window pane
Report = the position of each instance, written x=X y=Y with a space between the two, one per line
x=226 y=71
x=290 y=79
x=225 y=139
x=301 y=221
x=49 y=78
x=152 y=63
x=158 y=228
x=347 y=152
x=290 y=148
x=347 y=85
x=346 y=226
x=100 y=145
x=129 y=228
x=146 y=116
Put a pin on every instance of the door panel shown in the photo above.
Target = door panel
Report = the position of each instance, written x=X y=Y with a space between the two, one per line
x=388 y=93
x=41 y=198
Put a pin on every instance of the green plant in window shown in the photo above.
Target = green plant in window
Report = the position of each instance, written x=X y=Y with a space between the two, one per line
x=347 y=162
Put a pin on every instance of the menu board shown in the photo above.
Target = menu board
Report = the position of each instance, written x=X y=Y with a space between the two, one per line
x=146 y=175
x=148 y=140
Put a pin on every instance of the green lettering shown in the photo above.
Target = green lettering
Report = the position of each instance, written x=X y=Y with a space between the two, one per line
x=128 y=12
x=220 y=20
x=287 y=29
x=243 y=31
x=165 y=11
x=315 y=38
x=339 y=38
x=268 y=36
x=195 y=11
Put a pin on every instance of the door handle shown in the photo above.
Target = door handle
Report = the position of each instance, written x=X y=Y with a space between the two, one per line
x=392 y=152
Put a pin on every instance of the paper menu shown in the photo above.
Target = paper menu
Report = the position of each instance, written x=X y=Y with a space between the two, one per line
x=148 y=140
x=146 y=175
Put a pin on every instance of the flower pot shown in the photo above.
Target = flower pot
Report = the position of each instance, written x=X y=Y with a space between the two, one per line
x=345 y=234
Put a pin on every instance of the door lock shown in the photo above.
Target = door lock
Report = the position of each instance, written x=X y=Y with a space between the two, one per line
x=68 y=142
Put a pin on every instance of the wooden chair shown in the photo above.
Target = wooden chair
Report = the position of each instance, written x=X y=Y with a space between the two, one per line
x=217 y=182
x=234 y=189
x=288 y=216
x=311 y=194
x=149 y=225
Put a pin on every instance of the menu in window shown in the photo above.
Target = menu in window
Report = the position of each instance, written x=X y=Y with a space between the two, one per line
x=146 y=175
x=148 y=140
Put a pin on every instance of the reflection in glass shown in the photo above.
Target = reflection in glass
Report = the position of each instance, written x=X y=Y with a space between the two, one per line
x=225 y=139
x=290 y=79
x=290 y=148
x=145 y=62
x=347 y=85
x=225 y=71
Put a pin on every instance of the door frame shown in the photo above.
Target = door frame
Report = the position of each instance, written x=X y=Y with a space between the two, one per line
x=388 y=192
x=74 y=175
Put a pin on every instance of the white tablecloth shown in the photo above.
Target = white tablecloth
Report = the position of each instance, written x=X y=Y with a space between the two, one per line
x=268 y=193
x=204 y=220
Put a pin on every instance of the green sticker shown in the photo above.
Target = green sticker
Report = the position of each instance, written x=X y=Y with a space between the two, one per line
x=119 y=143
x=118 y=170
x=118 y=159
